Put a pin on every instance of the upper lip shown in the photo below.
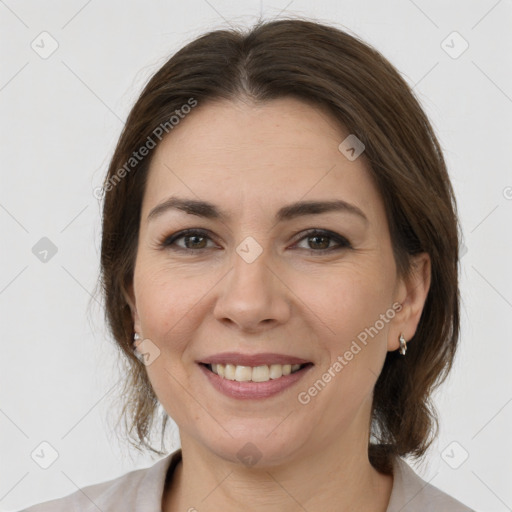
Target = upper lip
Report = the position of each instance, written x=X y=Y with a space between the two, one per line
x=237 y=358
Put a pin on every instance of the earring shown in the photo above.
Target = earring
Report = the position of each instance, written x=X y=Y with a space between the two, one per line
x=403 y=345
x=136 y=337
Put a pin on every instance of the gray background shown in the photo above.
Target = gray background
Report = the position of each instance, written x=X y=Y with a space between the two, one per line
x=61 y=116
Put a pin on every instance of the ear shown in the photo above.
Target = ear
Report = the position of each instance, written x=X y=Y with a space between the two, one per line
x=129 y=296
x=411 y=293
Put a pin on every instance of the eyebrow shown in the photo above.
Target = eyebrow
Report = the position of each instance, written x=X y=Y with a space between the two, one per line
x=286 y=213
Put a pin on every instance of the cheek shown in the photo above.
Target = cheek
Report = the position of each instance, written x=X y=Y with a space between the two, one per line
x=354 y=338
x=349 y=300
x=166 y=299
x=168 y=303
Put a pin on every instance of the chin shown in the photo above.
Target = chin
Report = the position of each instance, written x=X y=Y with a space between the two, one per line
x=254 y=447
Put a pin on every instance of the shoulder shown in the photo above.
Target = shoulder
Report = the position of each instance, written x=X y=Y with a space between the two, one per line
x=141 y=489
x=413 y=494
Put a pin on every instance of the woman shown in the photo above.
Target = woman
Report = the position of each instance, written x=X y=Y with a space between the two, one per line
x=280 y=268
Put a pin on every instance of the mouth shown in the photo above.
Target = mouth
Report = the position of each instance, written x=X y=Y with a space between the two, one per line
x=253 y=376
x=260 y=373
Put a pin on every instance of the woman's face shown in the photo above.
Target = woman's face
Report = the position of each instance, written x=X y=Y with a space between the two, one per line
x=252 y=279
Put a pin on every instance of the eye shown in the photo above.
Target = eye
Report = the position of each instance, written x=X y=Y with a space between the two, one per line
x=197 y=239
x=322 y=239
x=194 y=239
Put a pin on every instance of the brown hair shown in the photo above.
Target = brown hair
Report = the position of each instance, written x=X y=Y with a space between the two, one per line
x=327 y=66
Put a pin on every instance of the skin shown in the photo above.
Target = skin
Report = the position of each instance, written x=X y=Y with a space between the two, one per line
x=296 y=298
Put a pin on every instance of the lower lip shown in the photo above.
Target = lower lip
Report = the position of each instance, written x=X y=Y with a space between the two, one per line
x=253 y=390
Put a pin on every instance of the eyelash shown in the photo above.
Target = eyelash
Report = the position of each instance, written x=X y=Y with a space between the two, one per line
x=169 y=241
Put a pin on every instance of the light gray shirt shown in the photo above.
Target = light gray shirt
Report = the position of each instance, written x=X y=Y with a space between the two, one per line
x=142 y=491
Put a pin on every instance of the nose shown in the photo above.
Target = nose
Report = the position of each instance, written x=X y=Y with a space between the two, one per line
x=253 y=296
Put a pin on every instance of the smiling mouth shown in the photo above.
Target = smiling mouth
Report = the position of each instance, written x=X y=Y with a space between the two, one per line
x=262 y=373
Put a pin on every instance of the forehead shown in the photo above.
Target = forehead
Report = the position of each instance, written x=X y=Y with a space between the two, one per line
x=265 y=155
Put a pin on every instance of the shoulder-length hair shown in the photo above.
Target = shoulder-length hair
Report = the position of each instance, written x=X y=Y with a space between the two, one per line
x=328 y=67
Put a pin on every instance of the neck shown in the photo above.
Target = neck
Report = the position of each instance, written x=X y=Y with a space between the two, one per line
x=334 y=477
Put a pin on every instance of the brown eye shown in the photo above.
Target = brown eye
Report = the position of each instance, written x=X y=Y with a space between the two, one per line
x=193 y=240
x=321 y=240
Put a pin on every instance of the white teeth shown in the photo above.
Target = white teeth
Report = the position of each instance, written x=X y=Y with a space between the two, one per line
x=243 y=373
x=229 y=371
x=261 y=373
x=276 y=371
